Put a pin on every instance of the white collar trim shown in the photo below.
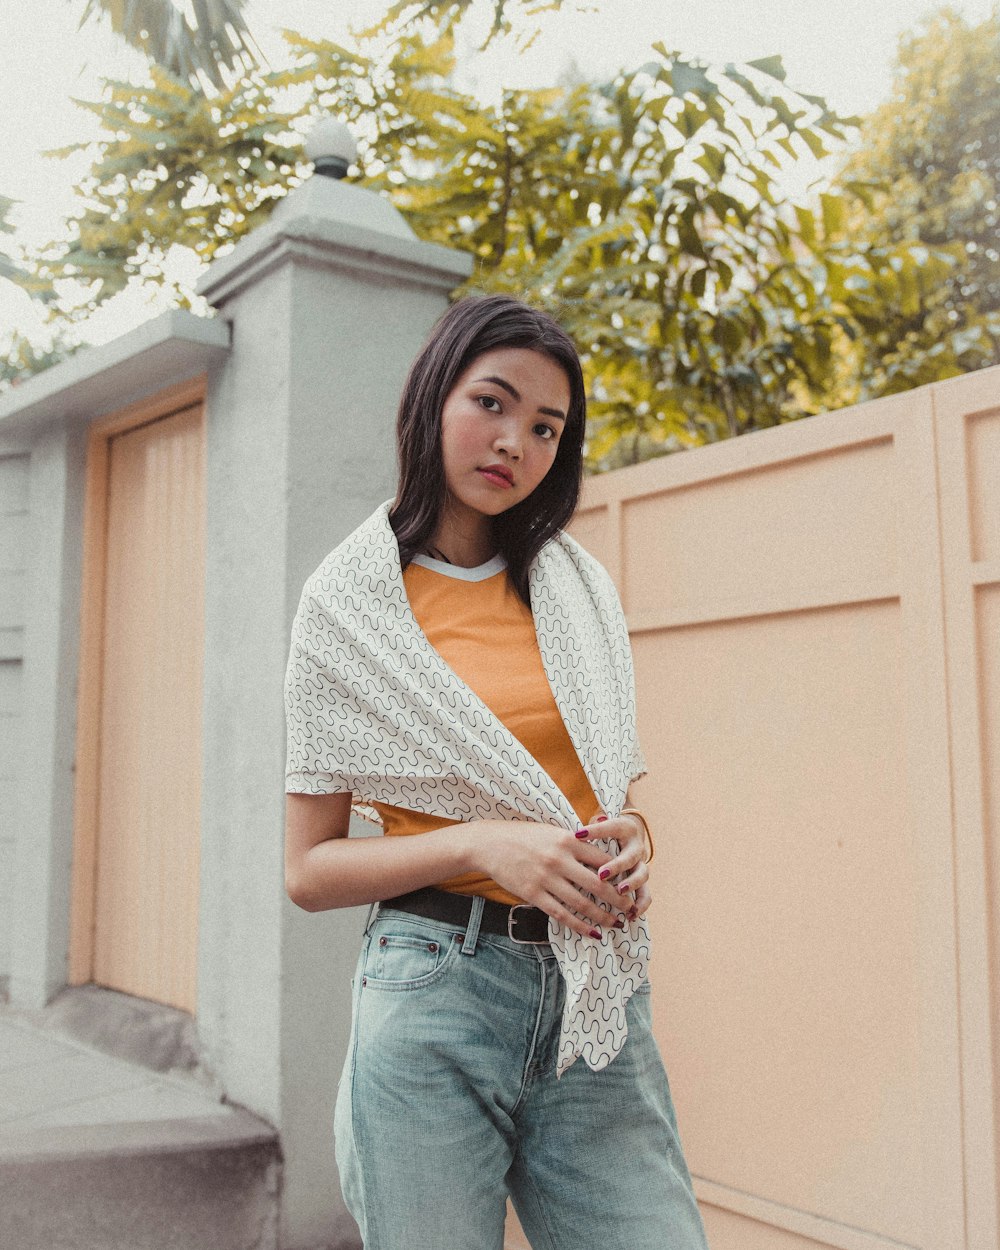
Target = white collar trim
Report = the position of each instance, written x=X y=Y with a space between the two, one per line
x=477 y=574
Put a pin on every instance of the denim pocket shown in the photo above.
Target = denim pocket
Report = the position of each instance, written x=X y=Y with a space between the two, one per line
x=407 y=960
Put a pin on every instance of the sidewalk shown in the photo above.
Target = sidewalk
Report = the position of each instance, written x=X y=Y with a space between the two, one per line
x=47 y=1081
x=100 y=1151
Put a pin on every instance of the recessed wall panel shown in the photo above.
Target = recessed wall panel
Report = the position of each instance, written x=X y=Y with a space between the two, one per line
x=983 y=451
x=786 y=981
x=590 y=528
x=988 y=661
x=12 y=591
x=13 y=483
x=769 y=537
x=13 y=539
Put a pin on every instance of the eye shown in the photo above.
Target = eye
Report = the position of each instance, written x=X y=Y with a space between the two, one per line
x=548 y=433
x=487 y=400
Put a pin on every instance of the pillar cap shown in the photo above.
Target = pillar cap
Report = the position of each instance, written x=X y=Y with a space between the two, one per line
x=327 y=222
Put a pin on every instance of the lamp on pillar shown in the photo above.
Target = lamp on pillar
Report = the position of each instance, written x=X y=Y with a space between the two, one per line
x=331 y=148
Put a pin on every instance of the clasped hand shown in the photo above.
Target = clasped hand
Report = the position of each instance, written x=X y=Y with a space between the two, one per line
x=567 y=876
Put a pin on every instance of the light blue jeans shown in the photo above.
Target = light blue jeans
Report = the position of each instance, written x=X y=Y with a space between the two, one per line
x=449 y=1101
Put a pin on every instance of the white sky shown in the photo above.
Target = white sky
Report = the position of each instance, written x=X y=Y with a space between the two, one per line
x=842 y=49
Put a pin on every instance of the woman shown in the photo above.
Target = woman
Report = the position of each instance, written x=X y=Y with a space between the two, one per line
x=460 y=670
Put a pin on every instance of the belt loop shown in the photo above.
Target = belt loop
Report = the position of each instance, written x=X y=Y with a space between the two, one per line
x=475 y=920
x=371 y=916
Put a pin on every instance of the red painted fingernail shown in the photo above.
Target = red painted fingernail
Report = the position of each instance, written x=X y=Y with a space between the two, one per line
x=601 y=818
x=622 y=888
x=604 y=874
x=583 y=833
x=620 y=924
x=596 y=933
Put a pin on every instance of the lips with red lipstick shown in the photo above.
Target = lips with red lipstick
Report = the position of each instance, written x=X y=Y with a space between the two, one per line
x=498 y=474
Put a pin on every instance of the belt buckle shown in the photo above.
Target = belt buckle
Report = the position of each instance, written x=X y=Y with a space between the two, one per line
x=511 y=921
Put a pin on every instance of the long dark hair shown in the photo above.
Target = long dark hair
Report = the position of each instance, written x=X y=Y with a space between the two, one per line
x=470 y=327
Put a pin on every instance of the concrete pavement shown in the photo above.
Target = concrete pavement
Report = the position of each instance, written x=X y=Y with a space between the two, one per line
x=103 y=1152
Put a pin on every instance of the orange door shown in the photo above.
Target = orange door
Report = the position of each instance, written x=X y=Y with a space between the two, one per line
x=145 y=918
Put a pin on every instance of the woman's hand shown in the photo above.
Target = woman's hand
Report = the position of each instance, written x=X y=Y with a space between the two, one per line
x=553 y=869
x=627 y=871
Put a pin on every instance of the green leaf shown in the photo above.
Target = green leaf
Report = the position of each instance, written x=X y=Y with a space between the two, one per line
x=770 y=65
x=724 y=274
x=813 y=142
x=746 y=85
x=690 y=240
x=685 y=77
x=864 y=191
x=713 y=161
x=833 y=215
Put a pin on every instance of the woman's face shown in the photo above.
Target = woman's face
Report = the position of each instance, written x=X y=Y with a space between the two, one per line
x=500 y=428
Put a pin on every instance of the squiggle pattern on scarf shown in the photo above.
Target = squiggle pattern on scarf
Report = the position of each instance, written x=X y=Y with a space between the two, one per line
x=372 y=708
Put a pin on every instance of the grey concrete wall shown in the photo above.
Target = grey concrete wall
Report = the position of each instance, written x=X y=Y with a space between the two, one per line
x=301 y=449
x=13 y=562
x=44 y=835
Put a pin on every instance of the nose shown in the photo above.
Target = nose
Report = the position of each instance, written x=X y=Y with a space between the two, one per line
x=508 y=440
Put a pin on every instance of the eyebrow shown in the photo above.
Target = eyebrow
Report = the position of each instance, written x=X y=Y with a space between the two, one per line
x=549 y=412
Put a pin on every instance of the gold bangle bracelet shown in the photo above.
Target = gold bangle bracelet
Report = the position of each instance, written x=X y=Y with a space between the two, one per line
x=634 y=811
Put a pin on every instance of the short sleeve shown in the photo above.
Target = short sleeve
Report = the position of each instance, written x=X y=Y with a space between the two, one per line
x=313 y=687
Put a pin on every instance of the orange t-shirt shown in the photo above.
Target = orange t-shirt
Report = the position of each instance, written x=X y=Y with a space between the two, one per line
x=478 y=624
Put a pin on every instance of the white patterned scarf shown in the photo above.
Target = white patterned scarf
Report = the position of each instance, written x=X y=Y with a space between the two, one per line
x=373 y=708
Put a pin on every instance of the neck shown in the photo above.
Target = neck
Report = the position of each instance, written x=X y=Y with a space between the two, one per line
x=467 y=544
x=463 y=558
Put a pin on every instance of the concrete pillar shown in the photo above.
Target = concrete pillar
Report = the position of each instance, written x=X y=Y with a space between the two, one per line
x=328 y=303
x=43 y=850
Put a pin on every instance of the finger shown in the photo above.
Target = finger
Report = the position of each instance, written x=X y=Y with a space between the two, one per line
x=590 y=888
x=630 y=847
x=588 y=862
x=586 y=853
x=585 y=831
x=558 y=910
x=625 y=861
x=638 y=876
x=640 y=906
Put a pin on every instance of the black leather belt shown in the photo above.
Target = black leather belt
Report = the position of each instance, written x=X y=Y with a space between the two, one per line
x=520 y=923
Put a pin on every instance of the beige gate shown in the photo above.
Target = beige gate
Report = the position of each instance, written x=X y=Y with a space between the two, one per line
x=135 y=914
x=815 y=614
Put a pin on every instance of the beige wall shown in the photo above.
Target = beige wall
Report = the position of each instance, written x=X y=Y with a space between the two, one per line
x=815 y=615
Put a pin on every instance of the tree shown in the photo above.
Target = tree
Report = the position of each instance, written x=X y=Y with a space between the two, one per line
x=643 y=211
x=21 y=358
x=218 y=40
x=203 y=157
x=8 y=268
x=177 y=169
x=929 y=163
x=509 y=17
